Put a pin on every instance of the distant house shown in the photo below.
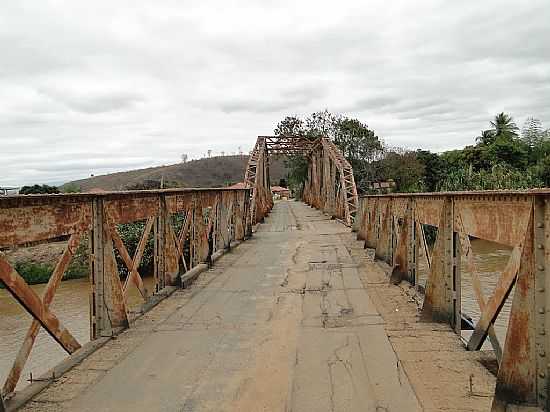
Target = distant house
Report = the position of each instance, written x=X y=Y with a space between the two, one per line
x=7 y=191
x=277 y=191
x=280 y=192
x=383 y=187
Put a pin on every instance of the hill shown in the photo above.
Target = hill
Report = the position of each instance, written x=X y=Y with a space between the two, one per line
x=211 y=172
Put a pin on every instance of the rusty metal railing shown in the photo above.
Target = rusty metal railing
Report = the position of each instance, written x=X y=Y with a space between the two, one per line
x=210 y=220
x=394 y=225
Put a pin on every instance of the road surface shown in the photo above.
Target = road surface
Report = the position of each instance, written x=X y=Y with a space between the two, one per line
x=281 y=323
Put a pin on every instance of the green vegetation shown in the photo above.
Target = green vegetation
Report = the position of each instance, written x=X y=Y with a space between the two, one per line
x=131 y=233
x=38 y=190
x=502 y=157
x=40 y=272
x=71 y=188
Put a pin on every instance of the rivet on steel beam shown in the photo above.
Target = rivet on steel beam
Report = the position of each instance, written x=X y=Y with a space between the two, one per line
x=541 y=290
x=542 y=354
x=542 y=332
x=540 y=246
x=541 y=374
x=541 y=311
x=540 y=225
x=540 y=267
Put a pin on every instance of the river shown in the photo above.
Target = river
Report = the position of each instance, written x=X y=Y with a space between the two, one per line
x=71 y=306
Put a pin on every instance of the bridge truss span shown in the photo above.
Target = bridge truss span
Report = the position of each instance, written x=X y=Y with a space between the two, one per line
x=329 y=185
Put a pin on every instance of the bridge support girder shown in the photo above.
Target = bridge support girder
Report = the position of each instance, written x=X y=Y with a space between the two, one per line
x=396 y=227
x=330 y=184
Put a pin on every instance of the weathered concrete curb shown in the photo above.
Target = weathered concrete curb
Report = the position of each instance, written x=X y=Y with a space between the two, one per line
x=22 y=397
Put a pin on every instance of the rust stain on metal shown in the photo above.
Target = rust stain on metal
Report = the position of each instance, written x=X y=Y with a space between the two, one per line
x=36 y=223
x=26 y=219
x=330 y=184
x=503 y=217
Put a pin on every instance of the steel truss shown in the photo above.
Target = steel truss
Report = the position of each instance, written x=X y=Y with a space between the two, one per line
x=329 y=186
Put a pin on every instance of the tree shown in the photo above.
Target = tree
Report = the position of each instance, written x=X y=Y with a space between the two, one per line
x=486 y=137
x=296 y=165
x=504 y=126
x=322 y=124
x=434 y=169
x=38 y=189
x=71 y=188
x=290 y=126
x=544 y=170
x=359 y=145
x=512 y=152
x=532 y=133
x=356 y=141
x=403 y=167
x=184 y=157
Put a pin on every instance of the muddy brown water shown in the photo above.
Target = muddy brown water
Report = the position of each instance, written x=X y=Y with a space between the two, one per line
x=490 y=260
x=72 y=307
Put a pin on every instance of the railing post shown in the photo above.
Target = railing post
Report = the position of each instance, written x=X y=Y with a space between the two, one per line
x=456 y=283
x=158 y=258
x=438 y=303
x=541 y=215
x=108 y=309
x=167 y=252
x=523 y=373
x=410 y=242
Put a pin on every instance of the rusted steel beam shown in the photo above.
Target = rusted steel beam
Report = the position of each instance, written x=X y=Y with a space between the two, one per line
x=132 y=264
x=514 y=218
x=47 y=298
x=438 y=302
x=330 y=184
x=19 y=225
x=107 y=303
x=28 y=298
x=519 y=375
x=476 y=283
x=30 y=219
x=495 y=303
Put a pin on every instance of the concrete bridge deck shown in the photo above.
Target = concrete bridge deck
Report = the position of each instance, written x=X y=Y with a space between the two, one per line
x=284 y=322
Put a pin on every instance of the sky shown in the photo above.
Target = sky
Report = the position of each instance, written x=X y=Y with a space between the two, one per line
x=91 y=87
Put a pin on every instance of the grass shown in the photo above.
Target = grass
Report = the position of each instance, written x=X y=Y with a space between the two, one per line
x=35 y=273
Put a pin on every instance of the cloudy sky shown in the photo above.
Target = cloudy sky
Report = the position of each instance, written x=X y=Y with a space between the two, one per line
x=98 y=86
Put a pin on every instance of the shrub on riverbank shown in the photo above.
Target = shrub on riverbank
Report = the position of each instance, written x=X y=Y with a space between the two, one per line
x=37 y=268
x=35 y=273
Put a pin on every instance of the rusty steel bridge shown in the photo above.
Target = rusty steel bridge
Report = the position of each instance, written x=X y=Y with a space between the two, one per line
x=296 y=283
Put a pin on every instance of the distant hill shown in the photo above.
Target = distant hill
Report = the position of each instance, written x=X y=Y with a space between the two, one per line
x=212 y=172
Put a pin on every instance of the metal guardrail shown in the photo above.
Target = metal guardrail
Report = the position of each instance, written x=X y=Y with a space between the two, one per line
x=394 y=226
x=212 y=219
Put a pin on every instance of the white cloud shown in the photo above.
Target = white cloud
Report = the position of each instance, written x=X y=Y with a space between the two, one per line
x=102 y=86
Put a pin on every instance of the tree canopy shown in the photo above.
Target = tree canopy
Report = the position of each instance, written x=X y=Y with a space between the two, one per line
x=501 y=158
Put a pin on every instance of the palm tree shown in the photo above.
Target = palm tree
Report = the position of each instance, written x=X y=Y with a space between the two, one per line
x=504 y=126
x=486 y=137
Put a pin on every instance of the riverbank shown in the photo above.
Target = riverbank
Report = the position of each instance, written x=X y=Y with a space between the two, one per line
x=36 y=264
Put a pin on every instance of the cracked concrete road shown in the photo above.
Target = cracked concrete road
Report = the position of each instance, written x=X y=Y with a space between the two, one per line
x=282 y=323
